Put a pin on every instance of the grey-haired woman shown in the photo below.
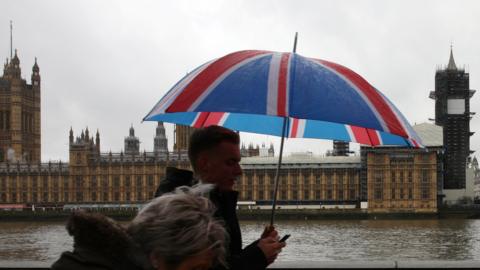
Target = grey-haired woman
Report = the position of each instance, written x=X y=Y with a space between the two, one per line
x=173 y=232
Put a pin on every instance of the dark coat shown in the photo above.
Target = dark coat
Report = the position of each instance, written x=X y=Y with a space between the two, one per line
x=99 y=243
x=250 y=257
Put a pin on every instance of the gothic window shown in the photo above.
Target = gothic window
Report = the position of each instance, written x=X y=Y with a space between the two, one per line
x=105 y=182
x=127 y=181
x=7 y=120
x=94 y=182
x=116 y=182
x=306 y=194
x=352 y=194
x=329 y=194
x=425 y=194
x=79 y=183
x=150 y=180
x=45 y=182
x=260 y=195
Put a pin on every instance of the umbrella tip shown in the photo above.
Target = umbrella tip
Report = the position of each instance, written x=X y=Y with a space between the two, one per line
x=295 y=43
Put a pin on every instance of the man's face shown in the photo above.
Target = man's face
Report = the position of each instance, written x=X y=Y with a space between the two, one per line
x=220 y=166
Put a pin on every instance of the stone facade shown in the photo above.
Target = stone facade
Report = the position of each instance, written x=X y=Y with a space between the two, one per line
x=402 y=180
x=20 y=129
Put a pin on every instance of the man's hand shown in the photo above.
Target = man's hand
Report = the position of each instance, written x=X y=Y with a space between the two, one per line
x=271 y=247
x=269 y=232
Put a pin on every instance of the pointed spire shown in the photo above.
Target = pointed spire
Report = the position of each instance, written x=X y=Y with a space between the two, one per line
x=451 y=61
x=35 y=66
x=71 y=135
x=132 y=131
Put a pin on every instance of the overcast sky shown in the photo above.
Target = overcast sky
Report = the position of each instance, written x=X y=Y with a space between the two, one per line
x=104 y=64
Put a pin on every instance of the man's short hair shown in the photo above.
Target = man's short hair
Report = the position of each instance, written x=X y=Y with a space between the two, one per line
x=207 y=138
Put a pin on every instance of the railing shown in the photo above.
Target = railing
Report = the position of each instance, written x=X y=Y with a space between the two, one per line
x=315 y=265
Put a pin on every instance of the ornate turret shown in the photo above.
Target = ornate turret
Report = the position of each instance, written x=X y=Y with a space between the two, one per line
x=70 y=137
x=160 y=141
x=132 y=143
x=15 y=70
x=87 y=135
x=97 y=141
x=35 y=74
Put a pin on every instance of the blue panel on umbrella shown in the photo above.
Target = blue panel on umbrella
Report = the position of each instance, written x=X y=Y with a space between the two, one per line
x=325 y=130
x=244 y=90
x=390 y=139
x=320 y=94
x=255 y=123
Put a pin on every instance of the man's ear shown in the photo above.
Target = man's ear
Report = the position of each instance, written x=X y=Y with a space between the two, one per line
x=202 y=162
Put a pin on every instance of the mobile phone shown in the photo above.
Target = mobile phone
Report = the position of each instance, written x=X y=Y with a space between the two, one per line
x=284 y=238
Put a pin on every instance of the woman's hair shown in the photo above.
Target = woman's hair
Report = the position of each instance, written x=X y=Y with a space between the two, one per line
x=179 y=225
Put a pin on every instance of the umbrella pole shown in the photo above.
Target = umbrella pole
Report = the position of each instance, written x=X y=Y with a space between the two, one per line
x=279 y=165
x=277 y=174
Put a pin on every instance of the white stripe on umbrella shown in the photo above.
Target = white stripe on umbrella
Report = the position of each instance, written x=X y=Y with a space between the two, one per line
x=380 y=140
x=287 y=80
x=272 y=90
x=301 y=128
x=223 y=119
x=350 y=133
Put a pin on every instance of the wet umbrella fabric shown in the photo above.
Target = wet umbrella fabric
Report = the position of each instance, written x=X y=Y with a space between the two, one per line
x=314 y=94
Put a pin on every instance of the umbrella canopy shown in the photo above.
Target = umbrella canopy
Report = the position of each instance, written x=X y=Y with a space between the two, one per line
x=255 y=90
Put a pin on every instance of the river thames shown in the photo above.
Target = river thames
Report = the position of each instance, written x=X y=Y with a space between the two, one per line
x=329 y=240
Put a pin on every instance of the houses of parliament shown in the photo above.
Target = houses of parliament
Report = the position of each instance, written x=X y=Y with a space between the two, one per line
x=381 y=179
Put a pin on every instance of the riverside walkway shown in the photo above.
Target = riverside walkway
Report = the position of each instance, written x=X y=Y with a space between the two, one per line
x=314 y=265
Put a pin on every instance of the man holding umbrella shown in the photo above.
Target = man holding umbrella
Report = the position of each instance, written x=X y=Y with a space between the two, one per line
x=215 y=155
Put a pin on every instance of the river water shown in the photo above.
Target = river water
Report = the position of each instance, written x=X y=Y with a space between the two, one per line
x=329 y=240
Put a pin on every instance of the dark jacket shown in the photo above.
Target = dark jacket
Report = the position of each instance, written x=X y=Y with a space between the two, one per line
x=250 y=257
x=99 y=243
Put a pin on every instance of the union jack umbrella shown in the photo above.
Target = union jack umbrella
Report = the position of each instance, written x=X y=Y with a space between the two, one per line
x=248 y=86
x=288 y=95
